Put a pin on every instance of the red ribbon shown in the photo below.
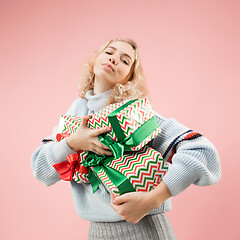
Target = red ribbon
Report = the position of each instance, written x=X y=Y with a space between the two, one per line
x=59 y=136
x=66 y=169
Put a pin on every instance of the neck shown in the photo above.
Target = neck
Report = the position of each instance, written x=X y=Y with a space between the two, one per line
x=100 y=86
x=97 y=102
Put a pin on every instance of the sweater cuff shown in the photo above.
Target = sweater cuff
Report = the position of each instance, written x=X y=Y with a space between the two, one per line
x=61 y=151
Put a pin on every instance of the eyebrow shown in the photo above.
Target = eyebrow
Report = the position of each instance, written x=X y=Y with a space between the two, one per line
x=123 y=53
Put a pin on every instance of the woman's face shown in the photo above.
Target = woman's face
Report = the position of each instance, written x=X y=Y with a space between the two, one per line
x=113 y=65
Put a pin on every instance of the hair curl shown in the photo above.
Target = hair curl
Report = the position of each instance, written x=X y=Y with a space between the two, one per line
x=134 y=86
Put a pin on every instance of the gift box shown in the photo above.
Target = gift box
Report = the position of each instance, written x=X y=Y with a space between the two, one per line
x=133 y=125
x=135 y=171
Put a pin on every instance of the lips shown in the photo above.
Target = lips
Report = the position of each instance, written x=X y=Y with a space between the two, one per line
x=109 y=65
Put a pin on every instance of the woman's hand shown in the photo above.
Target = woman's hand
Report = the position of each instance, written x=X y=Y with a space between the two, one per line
x=133 y=206
x=87 y=139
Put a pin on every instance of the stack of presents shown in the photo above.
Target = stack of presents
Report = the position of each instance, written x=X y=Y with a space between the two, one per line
x=133 y=166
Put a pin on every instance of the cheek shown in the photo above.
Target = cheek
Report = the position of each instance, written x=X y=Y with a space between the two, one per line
x=97 y=64
x=125 y=72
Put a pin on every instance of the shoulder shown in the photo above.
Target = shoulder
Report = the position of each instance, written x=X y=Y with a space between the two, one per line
x=77 y=106
x=79 y=102
x=167 y=122
x=170 y=127
x=160 y=118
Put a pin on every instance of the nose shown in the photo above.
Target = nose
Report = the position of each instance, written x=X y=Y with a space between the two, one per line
x=111 y=59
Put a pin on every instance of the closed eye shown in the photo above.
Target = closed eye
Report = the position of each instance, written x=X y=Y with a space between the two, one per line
x=109 y=53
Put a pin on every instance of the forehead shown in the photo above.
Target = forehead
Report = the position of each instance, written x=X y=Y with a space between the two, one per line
x=123 y=47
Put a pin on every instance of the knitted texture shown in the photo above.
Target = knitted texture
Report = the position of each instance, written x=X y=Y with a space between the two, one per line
x=151 y=227
x=194 y=161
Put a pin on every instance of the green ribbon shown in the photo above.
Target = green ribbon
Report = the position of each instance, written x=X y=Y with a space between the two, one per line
x=118 y=148
x=114 y=121
x=99 y=162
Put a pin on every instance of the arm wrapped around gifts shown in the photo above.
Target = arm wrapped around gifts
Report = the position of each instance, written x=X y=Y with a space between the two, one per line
x=133 y=125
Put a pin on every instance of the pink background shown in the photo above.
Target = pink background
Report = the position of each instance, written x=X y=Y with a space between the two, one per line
x=190 y=54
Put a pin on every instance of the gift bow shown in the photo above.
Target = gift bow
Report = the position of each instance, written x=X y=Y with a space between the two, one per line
x=100 y=162
x=117 y=148
x=66 y=169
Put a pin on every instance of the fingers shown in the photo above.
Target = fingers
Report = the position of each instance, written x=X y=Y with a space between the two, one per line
x=101 y=145
x=112 y=196
x=101 y=131
x=92 y=142
x=119 y=200
x=85 y=120
x=101 y=151
x=98 y=144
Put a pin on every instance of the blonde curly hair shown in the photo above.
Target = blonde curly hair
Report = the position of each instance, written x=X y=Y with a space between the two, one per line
x=134 y=86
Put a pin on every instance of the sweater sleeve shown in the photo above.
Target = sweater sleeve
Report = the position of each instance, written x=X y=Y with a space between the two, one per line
x=49 y=153
x=193 y=158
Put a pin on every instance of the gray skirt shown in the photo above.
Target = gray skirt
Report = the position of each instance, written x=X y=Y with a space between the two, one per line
x=151 y=227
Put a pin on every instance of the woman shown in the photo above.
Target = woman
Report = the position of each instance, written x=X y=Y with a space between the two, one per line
x=112 y=75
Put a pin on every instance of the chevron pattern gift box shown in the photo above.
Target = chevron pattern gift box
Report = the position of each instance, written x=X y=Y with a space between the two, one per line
x=135 y=171
x=133 y=122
